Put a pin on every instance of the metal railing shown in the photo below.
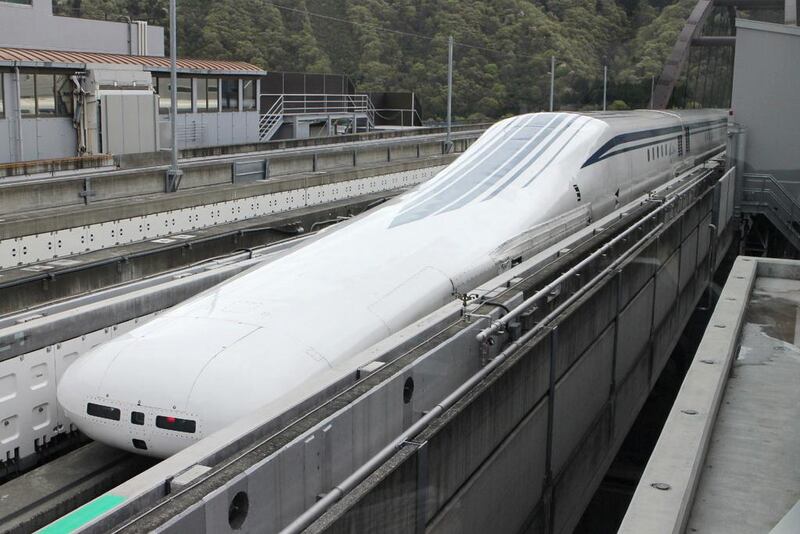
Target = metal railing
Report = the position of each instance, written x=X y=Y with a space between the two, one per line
x=762 y=193
x=407 y=116
x=358 y=105
x=271 y=120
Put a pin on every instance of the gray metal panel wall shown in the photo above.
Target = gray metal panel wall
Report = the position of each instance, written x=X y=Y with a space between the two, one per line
x=765 y=96
x=129 y=124
x=196 y=130
x=6 y=138
x=49 y=138
x=35 y=27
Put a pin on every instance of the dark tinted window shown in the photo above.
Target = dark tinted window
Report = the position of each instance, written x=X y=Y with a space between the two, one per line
x=137 y=418
x=175 y=423
x=230 y=94
x=140 y=444
x=106 y=412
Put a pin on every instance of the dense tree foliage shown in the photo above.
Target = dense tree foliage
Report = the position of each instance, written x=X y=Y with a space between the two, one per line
x=502 y=55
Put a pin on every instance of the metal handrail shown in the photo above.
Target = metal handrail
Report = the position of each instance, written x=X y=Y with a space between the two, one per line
x=313 y=103
x=779 y=195
x=323 y=102
x=270 y=120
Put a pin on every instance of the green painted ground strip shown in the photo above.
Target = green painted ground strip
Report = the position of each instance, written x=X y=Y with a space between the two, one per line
x=77 y=518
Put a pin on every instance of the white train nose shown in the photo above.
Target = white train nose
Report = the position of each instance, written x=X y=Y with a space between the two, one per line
x=131 y=393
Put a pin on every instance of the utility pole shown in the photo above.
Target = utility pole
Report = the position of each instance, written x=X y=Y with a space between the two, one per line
x=605 y=85
x=448 y=143
x=552 y=79
x=174 y=173
x=652 y=90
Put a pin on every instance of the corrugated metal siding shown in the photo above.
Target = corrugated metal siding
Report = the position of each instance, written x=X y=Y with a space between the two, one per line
x=58 y=56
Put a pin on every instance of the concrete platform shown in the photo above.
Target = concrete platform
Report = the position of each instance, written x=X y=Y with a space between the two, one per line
x=728 y=459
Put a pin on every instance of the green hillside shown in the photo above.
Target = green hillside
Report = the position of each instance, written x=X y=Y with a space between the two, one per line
x=502 y=57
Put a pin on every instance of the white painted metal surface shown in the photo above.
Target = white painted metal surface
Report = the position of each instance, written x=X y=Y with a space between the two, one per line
x=30 y=416
x=261 y=338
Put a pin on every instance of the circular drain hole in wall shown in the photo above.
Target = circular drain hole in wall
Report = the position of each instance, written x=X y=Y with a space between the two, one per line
x=408 y=390
x=237 y=511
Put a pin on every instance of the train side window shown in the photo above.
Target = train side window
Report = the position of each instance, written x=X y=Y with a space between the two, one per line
x=106 y=412
x=137 y=418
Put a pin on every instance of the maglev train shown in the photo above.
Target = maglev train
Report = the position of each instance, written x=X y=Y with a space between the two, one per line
x=267 y=335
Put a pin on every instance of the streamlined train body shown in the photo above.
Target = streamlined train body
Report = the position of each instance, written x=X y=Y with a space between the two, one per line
x=267 y=335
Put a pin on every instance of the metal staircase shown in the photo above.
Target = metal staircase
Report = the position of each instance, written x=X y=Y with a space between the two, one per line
x=357 y=108
x=763 y=194
x=270 y=121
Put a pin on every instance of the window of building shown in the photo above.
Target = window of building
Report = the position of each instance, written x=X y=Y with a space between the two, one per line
x=201 y=86
x=63 y=95
x=230 y=94
x=248 y=95
x=207 y=94
x=27 y=95
x=213 y=94
x=184 y=95
x=45 y=95
x=162 y=90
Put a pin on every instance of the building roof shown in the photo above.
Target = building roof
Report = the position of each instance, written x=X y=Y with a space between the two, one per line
x=24 y=57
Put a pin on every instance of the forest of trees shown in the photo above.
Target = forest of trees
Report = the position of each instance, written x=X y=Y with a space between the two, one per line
x=502 y=54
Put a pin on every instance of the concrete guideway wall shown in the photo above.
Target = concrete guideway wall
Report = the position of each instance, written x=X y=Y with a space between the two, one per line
x=134 y=221
x=534 y=451
x=24 y=195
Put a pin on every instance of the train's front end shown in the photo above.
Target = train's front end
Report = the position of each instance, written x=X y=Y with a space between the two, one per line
x=132 y=392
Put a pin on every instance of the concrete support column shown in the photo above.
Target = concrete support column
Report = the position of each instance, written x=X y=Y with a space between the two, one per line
x=790 y=12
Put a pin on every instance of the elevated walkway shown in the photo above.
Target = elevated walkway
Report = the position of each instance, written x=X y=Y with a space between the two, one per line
x=356 y=110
